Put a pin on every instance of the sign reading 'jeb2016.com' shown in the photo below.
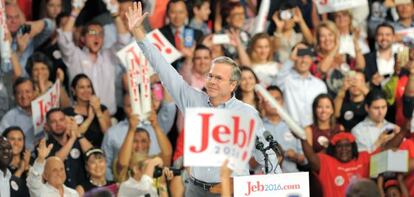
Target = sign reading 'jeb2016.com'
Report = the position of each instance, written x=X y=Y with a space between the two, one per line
x=283 y=185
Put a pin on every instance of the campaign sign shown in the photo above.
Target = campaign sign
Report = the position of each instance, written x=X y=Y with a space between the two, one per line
x=214 y=135
x=42 y=104
x=281 y=185
x=169 y=52
x=326 y=6
x=138 y=72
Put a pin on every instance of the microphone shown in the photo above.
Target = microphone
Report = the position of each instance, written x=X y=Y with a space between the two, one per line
x=259 y=144
x=273 y=144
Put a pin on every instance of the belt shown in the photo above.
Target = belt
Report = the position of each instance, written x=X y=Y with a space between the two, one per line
x=214 y=188
x=210 y=187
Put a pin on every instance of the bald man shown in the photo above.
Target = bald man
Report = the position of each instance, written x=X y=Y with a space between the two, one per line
x=47 y=178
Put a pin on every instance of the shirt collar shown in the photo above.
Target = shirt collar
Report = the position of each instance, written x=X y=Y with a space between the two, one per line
x=8 y=174
x=296 y=75
x=21 y=110
x=372 y=123
x=181 y=29
x=225 y=104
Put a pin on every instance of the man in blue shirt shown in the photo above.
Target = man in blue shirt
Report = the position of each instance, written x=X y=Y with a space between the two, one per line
x=223 y=78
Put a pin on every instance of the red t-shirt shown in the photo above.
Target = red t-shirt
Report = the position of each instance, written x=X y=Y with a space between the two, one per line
x=336 y=176
x=409 y=179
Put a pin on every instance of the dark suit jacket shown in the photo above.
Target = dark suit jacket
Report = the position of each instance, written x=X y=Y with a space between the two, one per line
x=169 y=35
x=21 y=189
x=370 y=65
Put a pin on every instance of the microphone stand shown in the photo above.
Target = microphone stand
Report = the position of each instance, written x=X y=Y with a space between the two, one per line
x=266 y=159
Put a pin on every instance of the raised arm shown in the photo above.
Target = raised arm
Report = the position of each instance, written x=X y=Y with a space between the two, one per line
x=312 y=157
x=184 y=96
x=126 y=149
x=307 y=34
x=34 y=179
x=164 y=143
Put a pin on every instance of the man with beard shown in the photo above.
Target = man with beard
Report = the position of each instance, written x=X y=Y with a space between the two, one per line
x=68 y=145
x=10 y=185
x=380 y=63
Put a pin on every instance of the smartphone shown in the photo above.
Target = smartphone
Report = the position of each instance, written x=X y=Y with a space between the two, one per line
x=221 y=39
x=286 y=15
x=188 y=38
x=24 y=29
x=303 y=52
x=389 y=131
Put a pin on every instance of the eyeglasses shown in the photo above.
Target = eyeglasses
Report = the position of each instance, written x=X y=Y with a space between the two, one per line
x=94 y=32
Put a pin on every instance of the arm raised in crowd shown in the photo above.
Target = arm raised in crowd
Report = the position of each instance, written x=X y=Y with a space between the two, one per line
x=34 y=179
x=125 y=151
x=307 y=34
x=312 y=157
x=163 y=141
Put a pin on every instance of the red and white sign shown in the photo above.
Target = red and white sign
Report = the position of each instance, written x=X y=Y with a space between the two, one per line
x=214 y=135
x=409 y=33
x=283 y=185
x=326 y=6
x=138 y=72
x=169 y=52
x=42 y=104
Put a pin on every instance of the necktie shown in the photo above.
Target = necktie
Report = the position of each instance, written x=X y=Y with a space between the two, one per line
x=177 y=39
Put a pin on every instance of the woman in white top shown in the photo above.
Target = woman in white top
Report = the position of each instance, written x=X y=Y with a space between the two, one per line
x=348 y=35
x=261 y=55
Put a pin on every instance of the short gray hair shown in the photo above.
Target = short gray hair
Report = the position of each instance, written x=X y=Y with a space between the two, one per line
x=235 y=72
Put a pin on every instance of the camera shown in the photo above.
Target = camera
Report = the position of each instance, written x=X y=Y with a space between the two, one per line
x=24 y=29
x=158 y=171
x=286 y=15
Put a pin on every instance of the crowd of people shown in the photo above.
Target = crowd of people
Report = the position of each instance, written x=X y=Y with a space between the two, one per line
x=346 y=77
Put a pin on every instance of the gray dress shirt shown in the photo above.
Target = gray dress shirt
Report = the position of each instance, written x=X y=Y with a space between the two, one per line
x=187 y=97
x=18 y=117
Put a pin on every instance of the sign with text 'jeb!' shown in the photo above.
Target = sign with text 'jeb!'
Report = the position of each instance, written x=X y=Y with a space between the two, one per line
x=138 y=72
x=214 y=135
x=42 y=104
x=281 y=185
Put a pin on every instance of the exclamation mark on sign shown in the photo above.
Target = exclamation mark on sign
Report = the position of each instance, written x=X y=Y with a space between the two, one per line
x=161 y=44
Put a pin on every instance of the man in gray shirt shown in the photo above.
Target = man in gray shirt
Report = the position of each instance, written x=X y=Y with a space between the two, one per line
x=222 y=80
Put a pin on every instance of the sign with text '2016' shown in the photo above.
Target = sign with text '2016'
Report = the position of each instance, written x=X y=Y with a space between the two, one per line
x=214 y=135
x=42 y=104
x=281 y=185
x=326 y=6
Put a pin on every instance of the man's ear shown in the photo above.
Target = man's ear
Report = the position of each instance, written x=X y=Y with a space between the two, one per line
x=234 y=85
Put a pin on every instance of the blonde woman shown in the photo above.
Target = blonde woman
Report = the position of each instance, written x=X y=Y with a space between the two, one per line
x=260 y=53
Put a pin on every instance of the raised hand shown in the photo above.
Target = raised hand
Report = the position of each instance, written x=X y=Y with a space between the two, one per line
x=279 y=23
x=95 y=103
x=297 y=15
x=22 y=42
x=133 y=121
x=135 y=16
x=43 y=151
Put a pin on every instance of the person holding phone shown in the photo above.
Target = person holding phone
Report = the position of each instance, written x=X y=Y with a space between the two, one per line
x=374 y=128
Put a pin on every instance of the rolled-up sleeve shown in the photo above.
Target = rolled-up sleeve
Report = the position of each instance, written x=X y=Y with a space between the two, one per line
x=34 y=180
x=66 y=46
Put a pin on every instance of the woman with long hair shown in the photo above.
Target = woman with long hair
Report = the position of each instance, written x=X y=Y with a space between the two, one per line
x=92 y=117
x=245 y=92
x=261 y=52
x=324 y=123
x=19 y=165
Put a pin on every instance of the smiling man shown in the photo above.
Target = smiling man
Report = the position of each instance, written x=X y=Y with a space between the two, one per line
x=97 y=63
x=222 y=80
x=21 y=115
